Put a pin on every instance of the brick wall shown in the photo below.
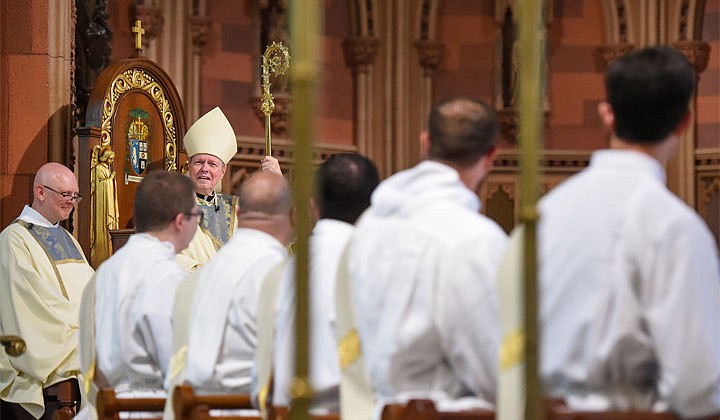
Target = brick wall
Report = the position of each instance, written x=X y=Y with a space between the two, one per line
x=708 y=100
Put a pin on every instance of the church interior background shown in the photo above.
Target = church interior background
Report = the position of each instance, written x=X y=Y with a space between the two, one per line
x=385 y=62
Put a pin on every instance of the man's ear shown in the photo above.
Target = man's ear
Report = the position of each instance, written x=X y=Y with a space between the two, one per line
x=425 y=143
x=607 y=116
x=179 y=220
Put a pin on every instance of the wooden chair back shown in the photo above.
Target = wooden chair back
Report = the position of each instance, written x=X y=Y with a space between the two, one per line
x=554 y=410
x=109 y=406
x=282 y=413
x=190 y=406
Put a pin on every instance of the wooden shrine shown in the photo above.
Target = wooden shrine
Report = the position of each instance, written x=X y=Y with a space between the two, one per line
x=134 y=124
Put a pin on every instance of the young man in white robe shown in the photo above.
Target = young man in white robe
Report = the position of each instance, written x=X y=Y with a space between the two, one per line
x=343 y=185
x=211 y=143
x=43 y=272
x=222 y=338
x=630 y=285
x=422 y=264
x=134 y=289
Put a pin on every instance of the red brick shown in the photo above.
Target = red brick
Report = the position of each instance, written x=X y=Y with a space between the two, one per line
x=28 y=108
x=39 y=26
x=708 y=135
x=16 y=28
x=16 y=192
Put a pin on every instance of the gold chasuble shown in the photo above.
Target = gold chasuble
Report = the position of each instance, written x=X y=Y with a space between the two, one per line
x=42 y=276
x=216 y=228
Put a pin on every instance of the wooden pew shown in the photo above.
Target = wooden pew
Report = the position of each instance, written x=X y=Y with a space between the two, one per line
x=190 y=406
x=109 y=406
x=425 y=410
x=282 y=413
x=554 y=410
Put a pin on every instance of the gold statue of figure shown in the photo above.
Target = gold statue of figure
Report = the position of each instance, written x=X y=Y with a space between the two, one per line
x=104 y=205
x=276 y=61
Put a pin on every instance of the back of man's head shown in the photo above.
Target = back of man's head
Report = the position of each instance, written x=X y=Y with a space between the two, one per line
x=649 y=91
x=264 y=194
x=462 y=130
x=343 y=186
x=161 y=196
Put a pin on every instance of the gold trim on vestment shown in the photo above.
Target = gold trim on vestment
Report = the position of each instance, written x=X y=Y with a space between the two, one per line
x=512 y=351
x=349 y=349
x=47 y=254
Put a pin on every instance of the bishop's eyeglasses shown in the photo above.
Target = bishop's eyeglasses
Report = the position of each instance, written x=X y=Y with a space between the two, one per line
x=66 y=195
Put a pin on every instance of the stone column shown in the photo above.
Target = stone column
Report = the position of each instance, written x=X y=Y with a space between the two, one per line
x=360 y=53
x=199 y=35
x=430 y=54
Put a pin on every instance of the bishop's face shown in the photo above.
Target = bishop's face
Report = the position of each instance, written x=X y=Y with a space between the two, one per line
x=205 y=172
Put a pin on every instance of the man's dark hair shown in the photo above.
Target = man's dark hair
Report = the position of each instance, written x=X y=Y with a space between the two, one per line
x=462 y=130
x=343 y=186
x=649 y=91
x=161 y=196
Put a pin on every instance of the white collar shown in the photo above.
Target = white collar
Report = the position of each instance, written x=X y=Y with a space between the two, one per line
x=30 y=215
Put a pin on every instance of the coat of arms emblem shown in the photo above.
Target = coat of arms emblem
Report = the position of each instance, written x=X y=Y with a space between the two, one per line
x=137 y=144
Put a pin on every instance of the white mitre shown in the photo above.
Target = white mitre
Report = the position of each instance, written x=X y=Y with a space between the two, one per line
x=211 y=134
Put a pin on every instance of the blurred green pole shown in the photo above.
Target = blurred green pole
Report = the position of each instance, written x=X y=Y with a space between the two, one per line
x=531 y=72
x=305 y=26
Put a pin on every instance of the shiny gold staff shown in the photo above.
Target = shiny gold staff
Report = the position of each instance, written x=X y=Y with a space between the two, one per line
x=275 y=61
x=531 y=41
x=305 y=26
x=14 y=345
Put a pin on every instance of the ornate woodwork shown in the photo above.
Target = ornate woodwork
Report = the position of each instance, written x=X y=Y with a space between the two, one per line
x=499 y=191
x=251 y=150
x=91 y=53
x=135 y=112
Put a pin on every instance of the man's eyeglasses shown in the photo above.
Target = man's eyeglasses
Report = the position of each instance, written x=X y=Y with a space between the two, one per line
x=66 y=195
x=199 y=215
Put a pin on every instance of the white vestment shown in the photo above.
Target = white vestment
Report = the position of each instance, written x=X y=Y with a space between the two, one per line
x=423 y=262
x=41 y=283
x=222 y=341
x=630 y=290
x=327 y=242
x=134 y=294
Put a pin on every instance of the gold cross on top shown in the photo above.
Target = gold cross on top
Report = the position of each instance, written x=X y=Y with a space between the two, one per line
x=139 y=32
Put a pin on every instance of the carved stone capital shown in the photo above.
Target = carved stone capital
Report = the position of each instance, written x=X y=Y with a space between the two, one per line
x=280 y=117
x=430 y=54
x=152 y=22
x=697 y=53
x=199 y=31
x=360 y=52
x=607 y=53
